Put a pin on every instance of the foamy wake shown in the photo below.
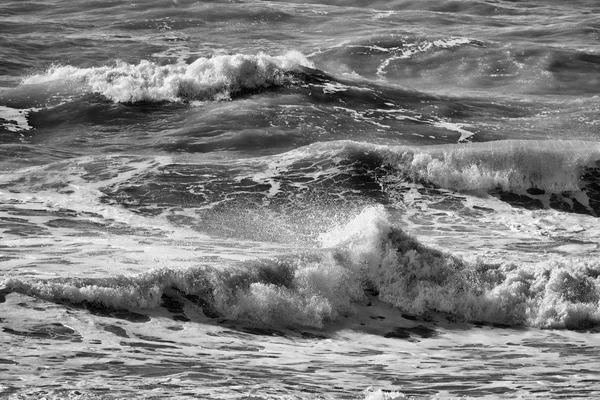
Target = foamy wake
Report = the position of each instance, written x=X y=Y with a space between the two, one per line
x=215 y=78
x=367 y=253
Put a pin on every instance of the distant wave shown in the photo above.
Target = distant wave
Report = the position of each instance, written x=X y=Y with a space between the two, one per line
x=366 y=254
x=219 y=77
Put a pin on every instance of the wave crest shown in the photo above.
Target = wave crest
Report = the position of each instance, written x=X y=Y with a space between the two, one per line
x=554 y=166
x=537 y=174
x=367 y=254
x=418 y=280
x=215 y=78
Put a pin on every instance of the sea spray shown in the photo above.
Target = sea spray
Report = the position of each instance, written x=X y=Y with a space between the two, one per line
x=418 y=280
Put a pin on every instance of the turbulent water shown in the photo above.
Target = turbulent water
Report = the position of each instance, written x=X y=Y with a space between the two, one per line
x=317 y=199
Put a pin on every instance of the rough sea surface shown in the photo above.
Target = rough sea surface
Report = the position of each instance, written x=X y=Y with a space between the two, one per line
x=328 y=199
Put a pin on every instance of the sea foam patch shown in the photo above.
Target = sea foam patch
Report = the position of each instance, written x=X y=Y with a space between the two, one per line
x=14 y=120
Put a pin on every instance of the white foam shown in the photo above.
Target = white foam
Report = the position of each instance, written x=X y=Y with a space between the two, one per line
x=553 y=166
x=360 y=116
x=333 y=87
x=215 y=78
x=409 y=50
x=378 y=394
x=368 y=251
x=554 y=293
x=464 y=134
x=510 y=165
x=14 y=120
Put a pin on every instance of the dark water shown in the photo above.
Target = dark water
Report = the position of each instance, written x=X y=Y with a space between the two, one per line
x=320 y=199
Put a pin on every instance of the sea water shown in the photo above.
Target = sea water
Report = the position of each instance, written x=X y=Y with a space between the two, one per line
x=316 y=199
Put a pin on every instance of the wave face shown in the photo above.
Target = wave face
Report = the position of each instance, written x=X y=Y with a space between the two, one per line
x=216 y=78
x=367 y=255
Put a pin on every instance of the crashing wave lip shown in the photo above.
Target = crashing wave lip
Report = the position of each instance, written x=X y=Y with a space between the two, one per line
x=15 y=120
x=215 y=78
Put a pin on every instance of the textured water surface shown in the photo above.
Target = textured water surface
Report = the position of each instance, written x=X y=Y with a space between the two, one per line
x=299 y=199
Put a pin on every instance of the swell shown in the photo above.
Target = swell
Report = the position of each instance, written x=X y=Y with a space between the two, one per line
x=458 y=63
x=367 y=254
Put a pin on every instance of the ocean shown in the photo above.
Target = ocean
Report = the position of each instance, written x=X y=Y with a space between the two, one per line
x=299 y=199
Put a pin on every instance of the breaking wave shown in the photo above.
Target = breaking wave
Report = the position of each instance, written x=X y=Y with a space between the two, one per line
x=367 y=254
x=543 y=174
x=553 y=166
x=215 y=78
